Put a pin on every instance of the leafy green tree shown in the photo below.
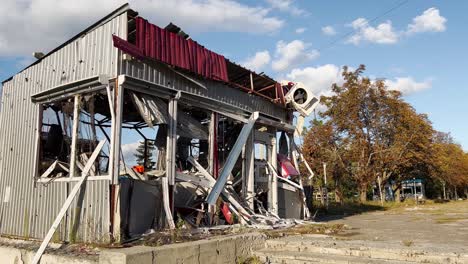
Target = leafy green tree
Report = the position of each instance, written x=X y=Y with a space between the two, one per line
x=140 y=154
x=368 y=132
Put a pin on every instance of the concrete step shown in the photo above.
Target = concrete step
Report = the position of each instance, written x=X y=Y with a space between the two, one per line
x=283 y=257
x=395 y=250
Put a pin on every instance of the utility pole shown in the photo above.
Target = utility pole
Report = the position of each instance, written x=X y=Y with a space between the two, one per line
x=325 y=189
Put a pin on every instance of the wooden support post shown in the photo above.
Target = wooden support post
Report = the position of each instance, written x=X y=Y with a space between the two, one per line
x=117 y=100
x=168 y=181
x=212 y=145
x=248 y=158
x=274 y=180
x=76 y=122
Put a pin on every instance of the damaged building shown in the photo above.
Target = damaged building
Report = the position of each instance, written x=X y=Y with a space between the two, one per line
x=216 y=140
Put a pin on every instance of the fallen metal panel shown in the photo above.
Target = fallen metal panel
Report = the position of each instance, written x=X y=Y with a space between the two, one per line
x=289 y=204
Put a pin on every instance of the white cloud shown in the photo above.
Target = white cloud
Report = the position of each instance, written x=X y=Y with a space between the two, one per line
x=291 y=54
x=258 y=61
x=407 y=85
x=300 y=30
x=429 y=21
x=319 y=79
x=40 y=25
x=286 y=6
x=208 y=15
x=328 y=30
x=381 y=34
x=128 y=152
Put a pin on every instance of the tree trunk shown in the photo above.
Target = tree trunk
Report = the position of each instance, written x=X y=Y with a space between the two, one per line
x=379 y=181
x=363 y=193
x=443 y=191
x=396 y=193
x=338 y=196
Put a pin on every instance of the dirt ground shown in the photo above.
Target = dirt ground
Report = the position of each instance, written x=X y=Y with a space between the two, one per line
x=442 y=224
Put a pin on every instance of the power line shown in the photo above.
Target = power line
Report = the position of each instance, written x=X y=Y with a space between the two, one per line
x=388 y=11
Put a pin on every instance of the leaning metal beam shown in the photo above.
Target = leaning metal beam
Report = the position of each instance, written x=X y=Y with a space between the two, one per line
x=226 y=194
x=275 y=174
x=231 y=160
x=68 y=202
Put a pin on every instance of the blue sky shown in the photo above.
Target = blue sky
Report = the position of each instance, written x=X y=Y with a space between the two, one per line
x=420 y=47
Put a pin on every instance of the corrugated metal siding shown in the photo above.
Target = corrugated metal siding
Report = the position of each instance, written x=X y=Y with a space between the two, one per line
x=31 y=210
x=215 y=90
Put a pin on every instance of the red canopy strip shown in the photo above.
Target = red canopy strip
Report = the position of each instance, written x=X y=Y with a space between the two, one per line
x=170 y=48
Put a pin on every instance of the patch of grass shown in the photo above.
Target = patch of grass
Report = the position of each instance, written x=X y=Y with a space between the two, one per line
x=326 y=229
x=407 y=243
x=348 y=208
x=447 y=220
x=249 y=260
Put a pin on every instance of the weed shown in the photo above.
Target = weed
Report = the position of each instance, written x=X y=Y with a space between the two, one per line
x=407 y=243
x=249 y=260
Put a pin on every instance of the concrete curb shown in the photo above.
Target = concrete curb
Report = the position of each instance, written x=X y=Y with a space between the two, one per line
x=217 y=250
x=23 y=256
x=223 y=249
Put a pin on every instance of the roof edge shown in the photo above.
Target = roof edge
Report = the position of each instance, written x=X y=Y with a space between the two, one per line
x=122 y=9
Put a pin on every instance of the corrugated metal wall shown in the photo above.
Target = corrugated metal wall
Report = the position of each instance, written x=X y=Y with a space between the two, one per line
x=215 y=90
x=30 y=210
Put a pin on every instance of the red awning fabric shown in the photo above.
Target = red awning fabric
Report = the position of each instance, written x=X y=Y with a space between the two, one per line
x=152 y=42
x=173 y=49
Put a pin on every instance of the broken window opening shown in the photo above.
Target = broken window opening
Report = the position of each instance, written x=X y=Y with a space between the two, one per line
x=56 y=142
